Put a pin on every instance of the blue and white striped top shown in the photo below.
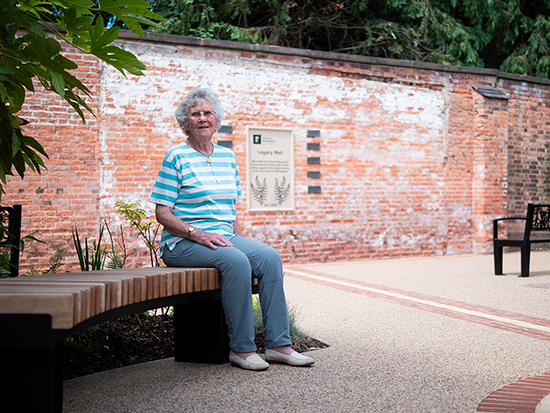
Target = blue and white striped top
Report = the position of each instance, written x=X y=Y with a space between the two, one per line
x=203 y=194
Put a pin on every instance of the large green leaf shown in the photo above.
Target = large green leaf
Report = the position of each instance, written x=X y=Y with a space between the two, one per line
x=74 y=23
x=82 y=4
x=14 y=15
x=131 y=12
x=15 y=145
x=57 y=82
x=5 y=70
x=101 y=46
x=102 y=37
x=120 y=59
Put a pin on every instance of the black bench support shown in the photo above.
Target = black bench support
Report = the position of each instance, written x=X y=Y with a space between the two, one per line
x=32 y=367
x=31 y=353
x=200 y=333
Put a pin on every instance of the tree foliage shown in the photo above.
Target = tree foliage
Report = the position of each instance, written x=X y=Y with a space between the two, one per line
x=31 y=32
x=510 y=35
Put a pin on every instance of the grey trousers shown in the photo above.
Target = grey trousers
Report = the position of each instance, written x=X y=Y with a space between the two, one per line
x=236 y=265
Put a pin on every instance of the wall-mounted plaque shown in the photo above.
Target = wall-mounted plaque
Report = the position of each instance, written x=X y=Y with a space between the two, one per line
x=270 y=169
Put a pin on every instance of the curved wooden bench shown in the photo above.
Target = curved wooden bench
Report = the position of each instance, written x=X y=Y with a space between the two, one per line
x=38 y=313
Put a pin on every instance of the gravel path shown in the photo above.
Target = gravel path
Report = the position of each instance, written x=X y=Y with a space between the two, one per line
x=386 y=355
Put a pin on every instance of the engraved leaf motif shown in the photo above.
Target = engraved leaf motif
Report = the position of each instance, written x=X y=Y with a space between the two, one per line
x=281 y=190
x=259 y=192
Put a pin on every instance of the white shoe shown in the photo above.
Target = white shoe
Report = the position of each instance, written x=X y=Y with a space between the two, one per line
x=253 y=362
x=295 y=359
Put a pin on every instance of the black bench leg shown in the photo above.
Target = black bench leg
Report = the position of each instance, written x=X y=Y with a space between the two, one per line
x=525 y=259
x=497 y=253
x=32 y=379
x=200 y=333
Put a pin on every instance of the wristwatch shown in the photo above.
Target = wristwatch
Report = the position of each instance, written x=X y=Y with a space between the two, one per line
x=190 y=232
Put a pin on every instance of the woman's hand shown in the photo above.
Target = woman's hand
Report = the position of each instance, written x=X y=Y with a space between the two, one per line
x=176 y=226
x=210 y=239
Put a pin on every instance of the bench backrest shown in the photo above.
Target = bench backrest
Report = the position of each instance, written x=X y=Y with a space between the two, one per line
x=538 y=218
x=12 y=238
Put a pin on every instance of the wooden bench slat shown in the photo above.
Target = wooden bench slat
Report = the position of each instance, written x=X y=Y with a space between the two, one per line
x=189 y=274
x=82 y=298
x=196 y=286
x=102 y=286
x=213 y=279
x=61 y=306
x=137 y=283
x=176 y=283
x=125 y=295
x=93 y=303
x=113 y=286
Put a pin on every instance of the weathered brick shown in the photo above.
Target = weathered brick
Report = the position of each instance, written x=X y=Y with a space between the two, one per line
x=413 y=162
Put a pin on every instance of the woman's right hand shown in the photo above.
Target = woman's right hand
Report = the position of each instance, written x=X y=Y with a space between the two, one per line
x=174 y=225
x=210 y=239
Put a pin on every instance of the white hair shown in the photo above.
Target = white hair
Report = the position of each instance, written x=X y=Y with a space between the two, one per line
x=194 y=98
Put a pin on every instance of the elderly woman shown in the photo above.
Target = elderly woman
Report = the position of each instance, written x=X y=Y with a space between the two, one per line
x=195 y=193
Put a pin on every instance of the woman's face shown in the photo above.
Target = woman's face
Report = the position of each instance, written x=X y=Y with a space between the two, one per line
x=202 y=120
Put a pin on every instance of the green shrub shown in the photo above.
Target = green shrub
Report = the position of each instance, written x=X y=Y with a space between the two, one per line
x=296 y=333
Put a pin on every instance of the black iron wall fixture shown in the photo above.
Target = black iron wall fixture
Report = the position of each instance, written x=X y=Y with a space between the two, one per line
x=314 y=160
x=226 y=129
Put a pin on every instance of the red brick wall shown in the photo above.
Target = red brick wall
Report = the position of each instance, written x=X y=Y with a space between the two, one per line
x=489 y=155
x=414 y=161
x=528 y=144
x=66 y=194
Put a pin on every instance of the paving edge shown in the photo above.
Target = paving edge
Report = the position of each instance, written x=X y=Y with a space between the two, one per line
x=521 y=396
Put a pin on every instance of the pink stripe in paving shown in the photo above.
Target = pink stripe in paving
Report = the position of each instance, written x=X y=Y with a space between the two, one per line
x=522 y=396
x=504 y=320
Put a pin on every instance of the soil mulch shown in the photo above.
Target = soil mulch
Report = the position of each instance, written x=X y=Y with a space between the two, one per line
x=131 y=340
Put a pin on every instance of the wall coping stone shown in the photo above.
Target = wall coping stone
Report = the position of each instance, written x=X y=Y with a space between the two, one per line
x=316 y=54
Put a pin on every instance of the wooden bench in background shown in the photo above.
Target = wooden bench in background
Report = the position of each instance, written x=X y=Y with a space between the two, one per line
x=38 y=313
x=536 y=220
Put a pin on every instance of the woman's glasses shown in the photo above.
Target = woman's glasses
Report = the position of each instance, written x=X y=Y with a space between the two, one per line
x=198 y=115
